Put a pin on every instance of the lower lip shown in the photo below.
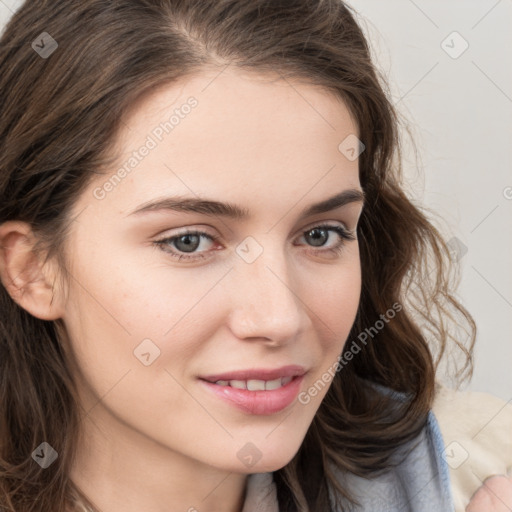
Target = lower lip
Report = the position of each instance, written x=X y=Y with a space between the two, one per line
x=258 y=402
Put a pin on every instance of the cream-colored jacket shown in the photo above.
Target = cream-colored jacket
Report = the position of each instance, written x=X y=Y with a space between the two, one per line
x=477 y=431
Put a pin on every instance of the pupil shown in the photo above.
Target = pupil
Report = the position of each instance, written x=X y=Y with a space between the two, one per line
x=318 y=236
x=187 y=243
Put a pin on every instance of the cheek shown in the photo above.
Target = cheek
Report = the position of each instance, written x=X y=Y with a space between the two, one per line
x=334 y=300
x=333 y=295
x=142 y=295
x=123 y=309
x=128 y=318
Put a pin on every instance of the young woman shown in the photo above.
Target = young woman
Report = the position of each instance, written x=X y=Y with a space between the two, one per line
x=212 y=280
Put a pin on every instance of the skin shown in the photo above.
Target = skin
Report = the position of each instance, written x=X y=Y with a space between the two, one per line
x=153 y=436
x=495 y=495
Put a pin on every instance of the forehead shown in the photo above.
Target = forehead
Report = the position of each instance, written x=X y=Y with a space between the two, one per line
x=234 y=134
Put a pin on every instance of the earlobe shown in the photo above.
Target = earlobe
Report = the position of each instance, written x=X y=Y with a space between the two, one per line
x=25 y=277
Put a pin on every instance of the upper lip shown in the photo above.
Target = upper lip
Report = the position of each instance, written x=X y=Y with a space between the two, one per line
x=258 y=374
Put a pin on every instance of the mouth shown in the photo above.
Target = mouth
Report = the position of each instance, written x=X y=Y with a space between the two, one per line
x=264 y=391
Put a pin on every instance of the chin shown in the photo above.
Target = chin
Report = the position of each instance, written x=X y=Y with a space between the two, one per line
x=271 y=461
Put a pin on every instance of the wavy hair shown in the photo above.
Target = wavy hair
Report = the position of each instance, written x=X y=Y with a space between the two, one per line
x=60 y=117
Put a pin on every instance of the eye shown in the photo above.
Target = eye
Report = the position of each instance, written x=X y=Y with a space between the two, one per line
x=188 y=242
x=320 y=236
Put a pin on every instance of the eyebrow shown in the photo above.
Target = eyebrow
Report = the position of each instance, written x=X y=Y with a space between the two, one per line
x=233 y=211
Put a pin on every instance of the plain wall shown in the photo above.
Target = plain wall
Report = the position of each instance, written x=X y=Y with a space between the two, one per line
x=459 y=105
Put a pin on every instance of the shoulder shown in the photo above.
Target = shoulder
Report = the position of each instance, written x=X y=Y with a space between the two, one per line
x=477 y=432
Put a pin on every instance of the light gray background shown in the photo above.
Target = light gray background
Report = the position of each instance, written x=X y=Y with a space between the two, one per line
x=460 y=110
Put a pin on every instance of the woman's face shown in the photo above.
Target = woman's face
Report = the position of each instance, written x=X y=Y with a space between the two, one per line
x=264 y=286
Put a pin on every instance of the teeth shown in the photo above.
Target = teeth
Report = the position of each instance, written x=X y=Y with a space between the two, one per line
x=256 y=385
x=273 y=384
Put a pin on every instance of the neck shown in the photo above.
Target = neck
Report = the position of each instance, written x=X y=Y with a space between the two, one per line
x=118 y=468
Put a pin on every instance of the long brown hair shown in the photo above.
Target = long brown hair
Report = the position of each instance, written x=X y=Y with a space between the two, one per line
x=60 y=114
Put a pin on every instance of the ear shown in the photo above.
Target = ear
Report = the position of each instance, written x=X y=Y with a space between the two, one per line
x=26 y=278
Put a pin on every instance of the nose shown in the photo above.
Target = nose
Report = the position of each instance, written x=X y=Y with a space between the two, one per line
x=267 y=300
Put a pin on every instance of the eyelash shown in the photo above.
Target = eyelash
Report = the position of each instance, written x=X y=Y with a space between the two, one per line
x=344 y=234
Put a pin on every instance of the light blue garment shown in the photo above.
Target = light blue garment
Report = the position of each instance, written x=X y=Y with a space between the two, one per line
x=420 y=483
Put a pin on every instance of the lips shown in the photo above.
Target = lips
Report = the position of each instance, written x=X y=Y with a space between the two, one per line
x=264 y=391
